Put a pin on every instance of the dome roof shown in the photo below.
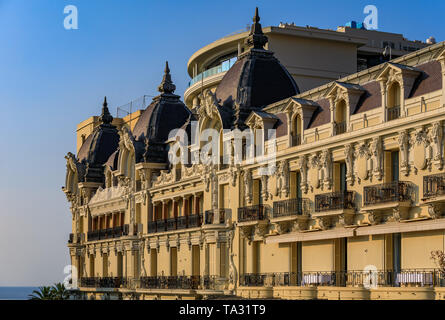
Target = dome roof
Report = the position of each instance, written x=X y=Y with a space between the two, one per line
x=99 y=146
x=256 y=79
x=166 y=113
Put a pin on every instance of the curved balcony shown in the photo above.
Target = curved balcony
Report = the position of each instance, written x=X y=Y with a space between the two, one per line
x=208 y=78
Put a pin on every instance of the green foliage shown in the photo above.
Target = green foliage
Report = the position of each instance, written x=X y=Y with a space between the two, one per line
x=56 y=292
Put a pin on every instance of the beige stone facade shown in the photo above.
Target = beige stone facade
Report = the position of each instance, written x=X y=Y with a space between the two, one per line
x=352 y=211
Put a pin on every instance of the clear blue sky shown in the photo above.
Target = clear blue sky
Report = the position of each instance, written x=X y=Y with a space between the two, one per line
x=51 y=79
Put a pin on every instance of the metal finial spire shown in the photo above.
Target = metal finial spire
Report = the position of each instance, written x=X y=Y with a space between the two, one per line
x=167 y=85
x=256 y=18
x=106 y=117
x=256 y=38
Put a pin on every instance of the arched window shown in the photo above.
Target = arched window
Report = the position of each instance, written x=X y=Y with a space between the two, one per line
x=340 y=117
x=296 y=131
x=393 y=102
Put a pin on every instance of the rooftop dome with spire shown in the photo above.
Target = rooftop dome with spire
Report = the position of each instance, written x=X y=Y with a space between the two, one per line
x=255 y=80
x=166 y=113
x=99 y=146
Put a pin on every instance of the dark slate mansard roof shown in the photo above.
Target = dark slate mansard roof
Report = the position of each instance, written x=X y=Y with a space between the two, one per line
x=166 y=113
x=255 y=80
x=98 y=147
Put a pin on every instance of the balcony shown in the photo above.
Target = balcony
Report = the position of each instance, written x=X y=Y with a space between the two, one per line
x=334 y=201
x=398 y=191
x=109 y=233
x=340 y=127
x=335 y=204
x=170 y=282
x=223 y=67
x=103 y=282
x=434 y=194
x=434 y=186
x=380 y=199
x=393 y=113
x=251 y=213
x=291 y=207
x=296 y=140
x=381 y=278
x=176 y=223
x=286 y=212
x=210 y=216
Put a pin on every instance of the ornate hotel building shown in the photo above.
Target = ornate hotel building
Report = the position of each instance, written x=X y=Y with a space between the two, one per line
x=353 y=209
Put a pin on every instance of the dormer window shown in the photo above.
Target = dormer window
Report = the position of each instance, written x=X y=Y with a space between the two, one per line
x=296 y=131
x=340 y=117
x=393 y=104
x=396 y=82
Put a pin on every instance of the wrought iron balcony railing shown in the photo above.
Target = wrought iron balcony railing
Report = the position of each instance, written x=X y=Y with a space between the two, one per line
x=398 y=191
x=181 y=222
x=176 y=223
x=210 y=214
x=194 y=220
x=340 y=127
x=434 y=185
x=393 y=113
x=103 y=282
x=251 y=213
x=335 y=201
x=296 y=140
x=170 y=282
x=291 y=207
x=171 y=224
x=109 y=233
x=371 y=278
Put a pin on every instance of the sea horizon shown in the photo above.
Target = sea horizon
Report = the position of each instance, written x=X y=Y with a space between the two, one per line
x=16 y=292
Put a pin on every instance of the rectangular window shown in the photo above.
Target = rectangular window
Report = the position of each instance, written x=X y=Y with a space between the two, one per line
x=298 y=185
x=153 y=262
x=195 y=260
x=223 y=259
x=397 y=251
x=173 y=261
x=120 y=264
x=395 y=166
x=343 y=184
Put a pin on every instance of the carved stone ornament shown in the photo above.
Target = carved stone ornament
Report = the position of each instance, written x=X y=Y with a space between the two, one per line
x=436 y=210
x=314 y=171
x=248 y=185
x=325 y=222
x=247 y=232
x=436 y=140
x=364 y=162
x=421 y=149
x=261 y=229
x=326 y=168
x=403 y=141
x=282 y=179
x=400 y=213
x=209 y=105
x=349 y=160
x=264 y=186
x=346 y=219
x=283 y=226
x=375 y=217
x=302 y=167
x=377 y=157
x=233 y=273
